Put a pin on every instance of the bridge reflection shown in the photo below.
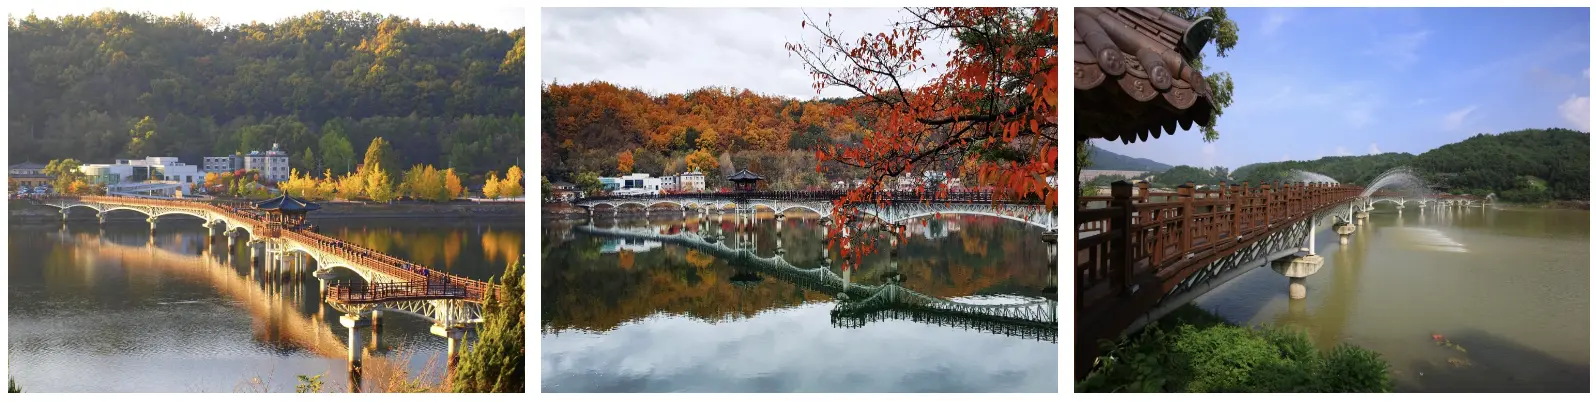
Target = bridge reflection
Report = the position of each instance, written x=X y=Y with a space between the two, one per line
x=857 y=304
x=275 y=304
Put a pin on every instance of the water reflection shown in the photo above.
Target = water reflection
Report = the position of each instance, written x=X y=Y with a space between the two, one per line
x=113 y=308
x=769 y=289
x=1509 y=285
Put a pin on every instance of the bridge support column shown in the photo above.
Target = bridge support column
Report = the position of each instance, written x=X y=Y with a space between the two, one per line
x=1346 y=230
x=356 y=351
x=323 y=275
x=101 y=216
x=151 y=220
x=456 y=336
x=1297 y=268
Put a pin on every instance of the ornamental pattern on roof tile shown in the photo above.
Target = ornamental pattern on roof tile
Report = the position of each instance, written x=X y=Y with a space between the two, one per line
x=1132 y=78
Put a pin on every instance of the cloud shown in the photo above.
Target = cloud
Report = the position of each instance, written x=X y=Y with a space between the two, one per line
x=1276 y=18
x=1455 y=119
x=1342 y=151
x=676 y=50
x=1401 y=50
x=1576 y=110
x=1374 y=149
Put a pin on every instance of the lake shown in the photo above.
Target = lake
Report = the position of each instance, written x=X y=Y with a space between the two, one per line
x=758 y=310
x=1509 y=289
x=111 y=308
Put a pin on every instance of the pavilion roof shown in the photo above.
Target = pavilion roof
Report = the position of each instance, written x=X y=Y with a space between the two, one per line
x=1132 y=77
x=287 y=203
x=745 y=175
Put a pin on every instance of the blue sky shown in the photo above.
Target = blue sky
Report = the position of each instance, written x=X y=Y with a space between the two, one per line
x=1316 y=82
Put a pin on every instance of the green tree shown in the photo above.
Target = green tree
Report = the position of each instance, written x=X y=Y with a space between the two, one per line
x=336 y=152
x=380 y=152
x=547 y=188
x=65 y=172
x=143 y=138
x=498 y=360
x=589 y=183
x=305 y=160
x=1224 y=38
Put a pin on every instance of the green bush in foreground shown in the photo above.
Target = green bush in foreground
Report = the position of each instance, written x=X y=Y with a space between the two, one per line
x=1194 y=351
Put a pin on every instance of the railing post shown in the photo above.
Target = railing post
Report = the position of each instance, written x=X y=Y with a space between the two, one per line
x=1235 y=211
x=1142 y=191
x=1265 y=195
x=1120 y=263
x=1186 y=192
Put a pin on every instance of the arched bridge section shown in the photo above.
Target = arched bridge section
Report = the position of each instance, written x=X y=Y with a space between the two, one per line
x=861 y=303
x=1146 y=253
x=896 y=208
x=282 y=244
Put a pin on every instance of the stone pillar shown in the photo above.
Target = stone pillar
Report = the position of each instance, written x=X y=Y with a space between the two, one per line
x=64 y=215
x=354 y=323
x=323 y=275
x=151 y=220
x=1346 y=230
x=1313 y=227
x=456 y=336
x=1297 y=268
x=101 y=216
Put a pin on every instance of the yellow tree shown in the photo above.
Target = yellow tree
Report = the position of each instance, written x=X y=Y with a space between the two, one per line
x=511 y=185
x=378 y=185
x=351 y=186
x=490 y=189
x=451 y=182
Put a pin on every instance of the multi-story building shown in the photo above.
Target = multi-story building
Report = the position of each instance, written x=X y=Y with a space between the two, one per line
x=221 y=164
x=690 y=182
x=273 y=164
x=638 y=183
x=669 y=183
x=28 y=174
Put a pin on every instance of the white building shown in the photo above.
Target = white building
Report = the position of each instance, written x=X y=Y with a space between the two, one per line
x=157 y=174
x=691 y=181
x=668 y=182
x=638 y=184
x=273 y=164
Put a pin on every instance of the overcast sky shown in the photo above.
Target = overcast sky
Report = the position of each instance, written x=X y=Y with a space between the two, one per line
x=678 y=50
x=236 y=12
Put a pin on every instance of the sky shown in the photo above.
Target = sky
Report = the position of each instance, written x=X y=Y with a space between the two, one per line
x=1319 y=82
x=678 y=50
x=234 y=12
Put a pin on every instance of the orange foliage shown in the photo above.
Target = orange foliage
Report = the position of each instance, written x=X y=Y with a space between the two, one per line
x=624 y=162
x=992 y=109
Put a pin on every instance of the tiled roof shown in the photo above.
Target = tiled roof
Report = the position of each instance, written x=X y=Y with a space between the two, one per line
x=1132 y=79
x=286 y=203
x=745 y=175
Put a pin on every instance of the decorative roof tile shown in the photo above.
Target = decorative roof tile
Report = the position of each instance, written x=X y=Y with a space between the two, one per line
x=1132 y=78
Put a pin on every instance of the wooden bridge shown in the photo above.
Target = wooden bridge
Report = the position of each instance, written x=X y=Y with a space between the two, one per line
x=1140 y=255
x=389 y=283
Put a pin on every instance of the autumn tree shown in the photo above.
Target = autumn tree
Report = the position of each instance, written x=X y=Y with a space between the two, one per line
x=65 y=172
x=547 y=188
x=490 y=188
x=451 y=182
x=702 y=161
x=379 y=184
x=623 y=162
x=589 y=183
x=511 y=185
x=994 y=102
x=351 y=186
x=381 y=152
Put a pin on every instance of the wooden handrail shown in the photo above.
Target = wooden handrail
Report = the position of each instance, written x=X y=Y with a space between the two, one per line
x=1134 y=236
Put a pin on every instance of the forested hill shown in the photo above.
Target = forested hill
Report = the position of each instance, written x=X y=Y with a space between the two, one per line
x=446 y=94
x=600 y=128
x=1103 y=159
x=1522 y=166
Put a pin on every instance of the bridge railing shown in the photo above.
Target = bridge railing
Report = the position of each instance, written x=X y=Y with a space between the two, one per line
x=1141 y=233
x=829 y=195
x=364 y=293
x=367 y=257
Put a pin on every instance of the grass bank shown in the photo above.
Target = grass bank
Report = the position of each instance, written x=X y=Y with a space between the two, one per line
x=1192 y=350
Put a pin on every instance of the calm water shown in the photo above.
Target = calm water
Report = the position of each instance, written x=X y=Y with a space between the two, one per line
x=629 y=315
x=101 y=309
x=1509 y=286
